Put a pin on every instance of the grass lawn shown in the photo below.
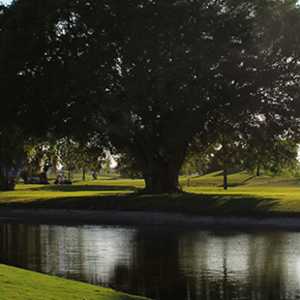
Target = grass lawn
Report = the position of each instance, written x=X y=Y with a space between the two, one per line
x=247 y=195
x=17 y=284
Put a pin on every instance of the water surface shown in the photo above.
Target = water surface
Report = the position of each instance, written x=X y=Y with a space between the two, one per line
x=162 y=263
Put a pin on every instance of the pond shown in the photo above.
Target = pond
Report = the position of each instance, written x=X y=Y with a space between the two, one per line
x=162 y=263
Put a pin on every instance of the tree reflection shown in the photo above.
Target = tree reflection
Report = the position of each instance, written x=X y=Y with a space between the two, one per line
x=162 y=263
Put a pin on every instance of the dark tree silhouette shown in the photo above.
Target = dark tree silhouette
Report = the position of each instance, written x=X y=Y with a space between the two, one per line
x=152 y=75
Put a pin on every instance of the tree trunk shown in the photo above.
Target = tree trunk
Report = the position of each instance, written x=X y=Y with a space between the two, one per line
x=83 y=174
x=7 y=182
x=258 y=170
x=24 y=176
x=161 y=174
x=54 y=162
x=160 y=163
x=44 y=175
x=225 y=179
x=43 y=178
x=162 y=179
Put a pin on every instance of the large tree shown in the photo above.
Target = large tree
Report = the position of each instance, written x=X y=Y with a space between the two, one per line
x=152 y=75
x=11 y=137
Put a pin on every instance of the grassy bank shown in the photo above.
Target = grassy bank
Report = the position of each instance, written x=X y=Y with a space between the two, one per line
x=19 y=284
x=247 y=195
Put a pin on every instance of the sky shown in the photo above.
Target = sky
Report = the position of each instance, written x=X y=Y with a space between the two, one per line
x=5 y=1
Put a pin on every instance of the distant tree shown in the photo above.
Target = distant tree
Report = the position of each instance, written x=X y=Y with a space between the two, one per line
x=37 y=162
x=196 y=163
x=128 y=167
x=90 y=158
x=273 y=156
x=74 y=156
x=199 y=158
x=68 y=154
x=227 y=156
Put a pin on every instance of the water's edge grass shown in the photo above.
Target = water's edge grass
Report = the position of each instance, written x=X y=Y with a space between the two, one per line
x=19 y=284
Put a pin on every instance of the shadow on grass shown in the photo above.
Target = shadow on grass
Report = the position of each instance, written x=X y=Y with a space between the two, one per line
x=83 y=188
x=200 y=204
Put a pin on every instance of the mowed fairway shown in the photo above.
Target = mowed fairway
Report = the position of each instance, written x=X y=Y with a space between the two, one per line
x=247 y=195
x=17 y=284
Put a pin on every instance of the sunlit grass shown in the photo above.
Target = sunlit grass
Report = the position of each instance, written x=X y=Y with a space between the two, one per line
x=17 y=284
x=247 y=194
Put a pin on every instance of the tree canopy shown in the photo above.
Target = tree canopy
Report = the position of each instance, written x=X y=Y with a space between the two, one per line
x=151 y=76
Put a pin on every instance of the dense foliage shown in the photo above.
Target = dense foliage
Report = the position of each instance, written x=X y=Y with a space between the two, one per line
x=152 y=77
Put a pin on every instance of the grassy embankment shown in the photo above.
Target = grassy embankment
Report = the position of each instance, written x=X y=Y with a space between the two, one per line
x=17 y=284
x=247 y=195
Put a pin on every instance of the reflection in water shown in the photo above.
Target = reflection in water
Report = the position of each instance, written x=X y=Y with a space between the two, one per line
x=162 y=263
x=84 y=253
